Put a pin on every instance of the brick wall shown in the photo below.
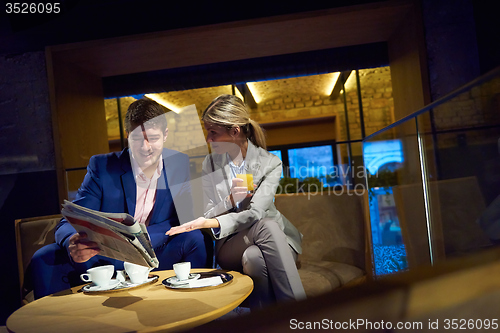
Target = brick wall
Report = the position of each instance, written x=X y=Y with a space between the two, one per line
x=377 y=103
x=478 y=107
x=28 y=180
x=26 y=122
x=291 y=103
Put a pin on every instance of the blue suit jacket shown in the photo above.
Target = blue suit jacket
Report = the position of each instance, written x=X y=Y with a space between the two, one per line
x=109 y=186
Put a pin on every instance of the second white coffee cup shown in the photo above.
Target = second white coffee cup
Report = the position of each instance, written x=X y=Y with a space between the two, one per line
x=136 y=273
x=182 y=270
x=100 y=276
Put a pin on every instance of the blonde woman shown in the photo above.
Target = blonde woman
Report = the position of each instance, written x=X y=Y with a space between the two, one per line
x=251 y=235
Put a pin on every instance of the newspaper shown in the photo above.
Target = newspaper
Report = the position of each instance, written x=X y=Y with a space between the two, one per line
x=117 y=234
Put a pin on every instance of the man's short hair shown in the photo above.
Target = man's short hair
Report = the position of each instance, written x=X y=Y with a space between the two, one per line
x=145 y=110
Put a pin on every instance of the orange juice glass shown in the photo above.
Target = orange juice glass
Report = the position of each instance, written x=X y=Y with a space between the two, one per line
x=247 y=180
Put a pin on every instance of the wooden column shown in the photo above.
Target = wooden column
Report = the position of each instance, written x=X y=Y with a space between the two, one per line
x=410 y=82
x=78 y=116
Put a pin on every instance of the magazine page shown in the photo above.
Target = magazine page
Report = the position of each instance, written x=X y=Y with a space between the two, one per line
x=122 y=221
x=146 y=241
x=112 y=244
x=127 y=243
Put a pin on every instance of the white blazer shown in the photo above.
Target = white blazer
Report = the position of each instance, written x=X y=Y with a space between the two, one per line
x=266 y=169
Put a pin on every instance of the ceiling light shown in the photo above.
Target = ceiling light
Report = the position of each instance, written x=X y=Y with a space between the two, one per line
x=329 y=87
x=350 y=83
x=162 y=101
x=238 y=93
x=252 y=86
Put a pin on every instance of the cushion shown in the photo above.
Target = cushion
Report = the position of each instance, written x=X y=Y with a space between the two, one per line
x=333 y=245
x=333 y=226
x=34 y=235
x=319 y=277
x=31 y=235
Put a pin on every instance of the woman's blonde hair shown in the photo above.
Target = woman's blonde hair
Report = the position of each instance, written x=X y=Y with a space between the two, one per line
x=230 y=111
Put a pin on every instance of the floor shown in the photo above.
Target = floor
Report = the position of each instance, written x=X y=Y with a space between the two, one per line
x=239 y=311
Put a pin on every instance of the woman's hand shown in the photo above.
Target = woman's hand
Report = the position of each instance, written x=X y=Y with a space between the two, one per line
x=238 y=192
x=199 y=223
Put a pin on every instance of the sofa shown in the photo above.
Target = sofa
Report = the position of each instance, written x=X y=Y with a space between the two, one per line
x=333 y=228
x=333 y=225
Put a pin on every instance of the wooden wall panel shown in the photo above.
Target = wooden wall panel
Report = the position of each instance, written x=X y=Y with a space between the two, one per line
x=309 y=31
x=410 y=84
x=322 y=129
x=78 y=112
x=408 y=64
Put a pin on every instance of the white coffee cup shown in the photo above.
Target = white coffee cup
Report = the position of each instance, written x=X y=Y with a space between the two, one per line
x=100 y=276
x=136 y=273
x=121 y=276
x=182 y=270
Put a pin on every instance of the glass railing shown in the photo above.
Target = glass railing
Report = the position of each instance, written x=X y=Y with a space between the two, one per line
x=434 y=180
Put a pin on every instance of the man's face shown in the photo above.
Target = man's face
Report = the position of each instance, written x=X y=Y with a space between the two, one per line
x=146 y=144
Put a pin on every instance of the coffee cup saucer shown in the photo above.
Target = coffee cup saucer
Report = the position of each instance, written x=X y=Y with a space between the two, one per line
x=128 y=283
x=92 y=287
x=174 y=280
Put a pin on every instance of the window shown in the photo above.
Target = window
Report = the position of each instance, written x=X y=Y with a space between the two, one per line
x=277 y=153
x=309 y=160
x=386 y=154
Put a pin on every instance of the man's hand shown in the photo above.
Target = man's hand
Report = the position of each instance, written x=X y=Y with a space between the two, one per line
x=81 y=249
x=199 y=223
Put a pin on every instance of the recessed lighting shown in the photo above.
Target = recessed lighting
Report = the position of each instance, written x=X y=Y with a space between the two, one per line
x=163 y=102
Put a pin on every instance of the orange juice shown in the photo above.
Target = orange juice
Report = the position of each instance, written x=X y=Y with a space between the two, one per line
x=247 y=180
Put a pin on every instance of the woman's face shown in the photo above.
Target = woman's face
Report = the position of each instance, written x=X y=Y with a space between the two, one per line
x=220 y=139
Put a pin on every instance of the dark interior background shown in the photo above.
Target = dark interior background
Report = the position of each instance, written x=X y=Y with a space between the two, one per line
x=29 y=194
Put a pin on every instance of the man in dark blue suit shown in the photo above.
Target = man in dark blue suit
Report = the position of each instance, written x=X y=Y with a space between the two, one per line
x=143 y=180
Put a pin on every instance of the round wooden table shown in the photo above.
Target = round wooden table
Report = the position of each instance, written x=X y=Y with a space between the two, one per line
x=146 y=309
